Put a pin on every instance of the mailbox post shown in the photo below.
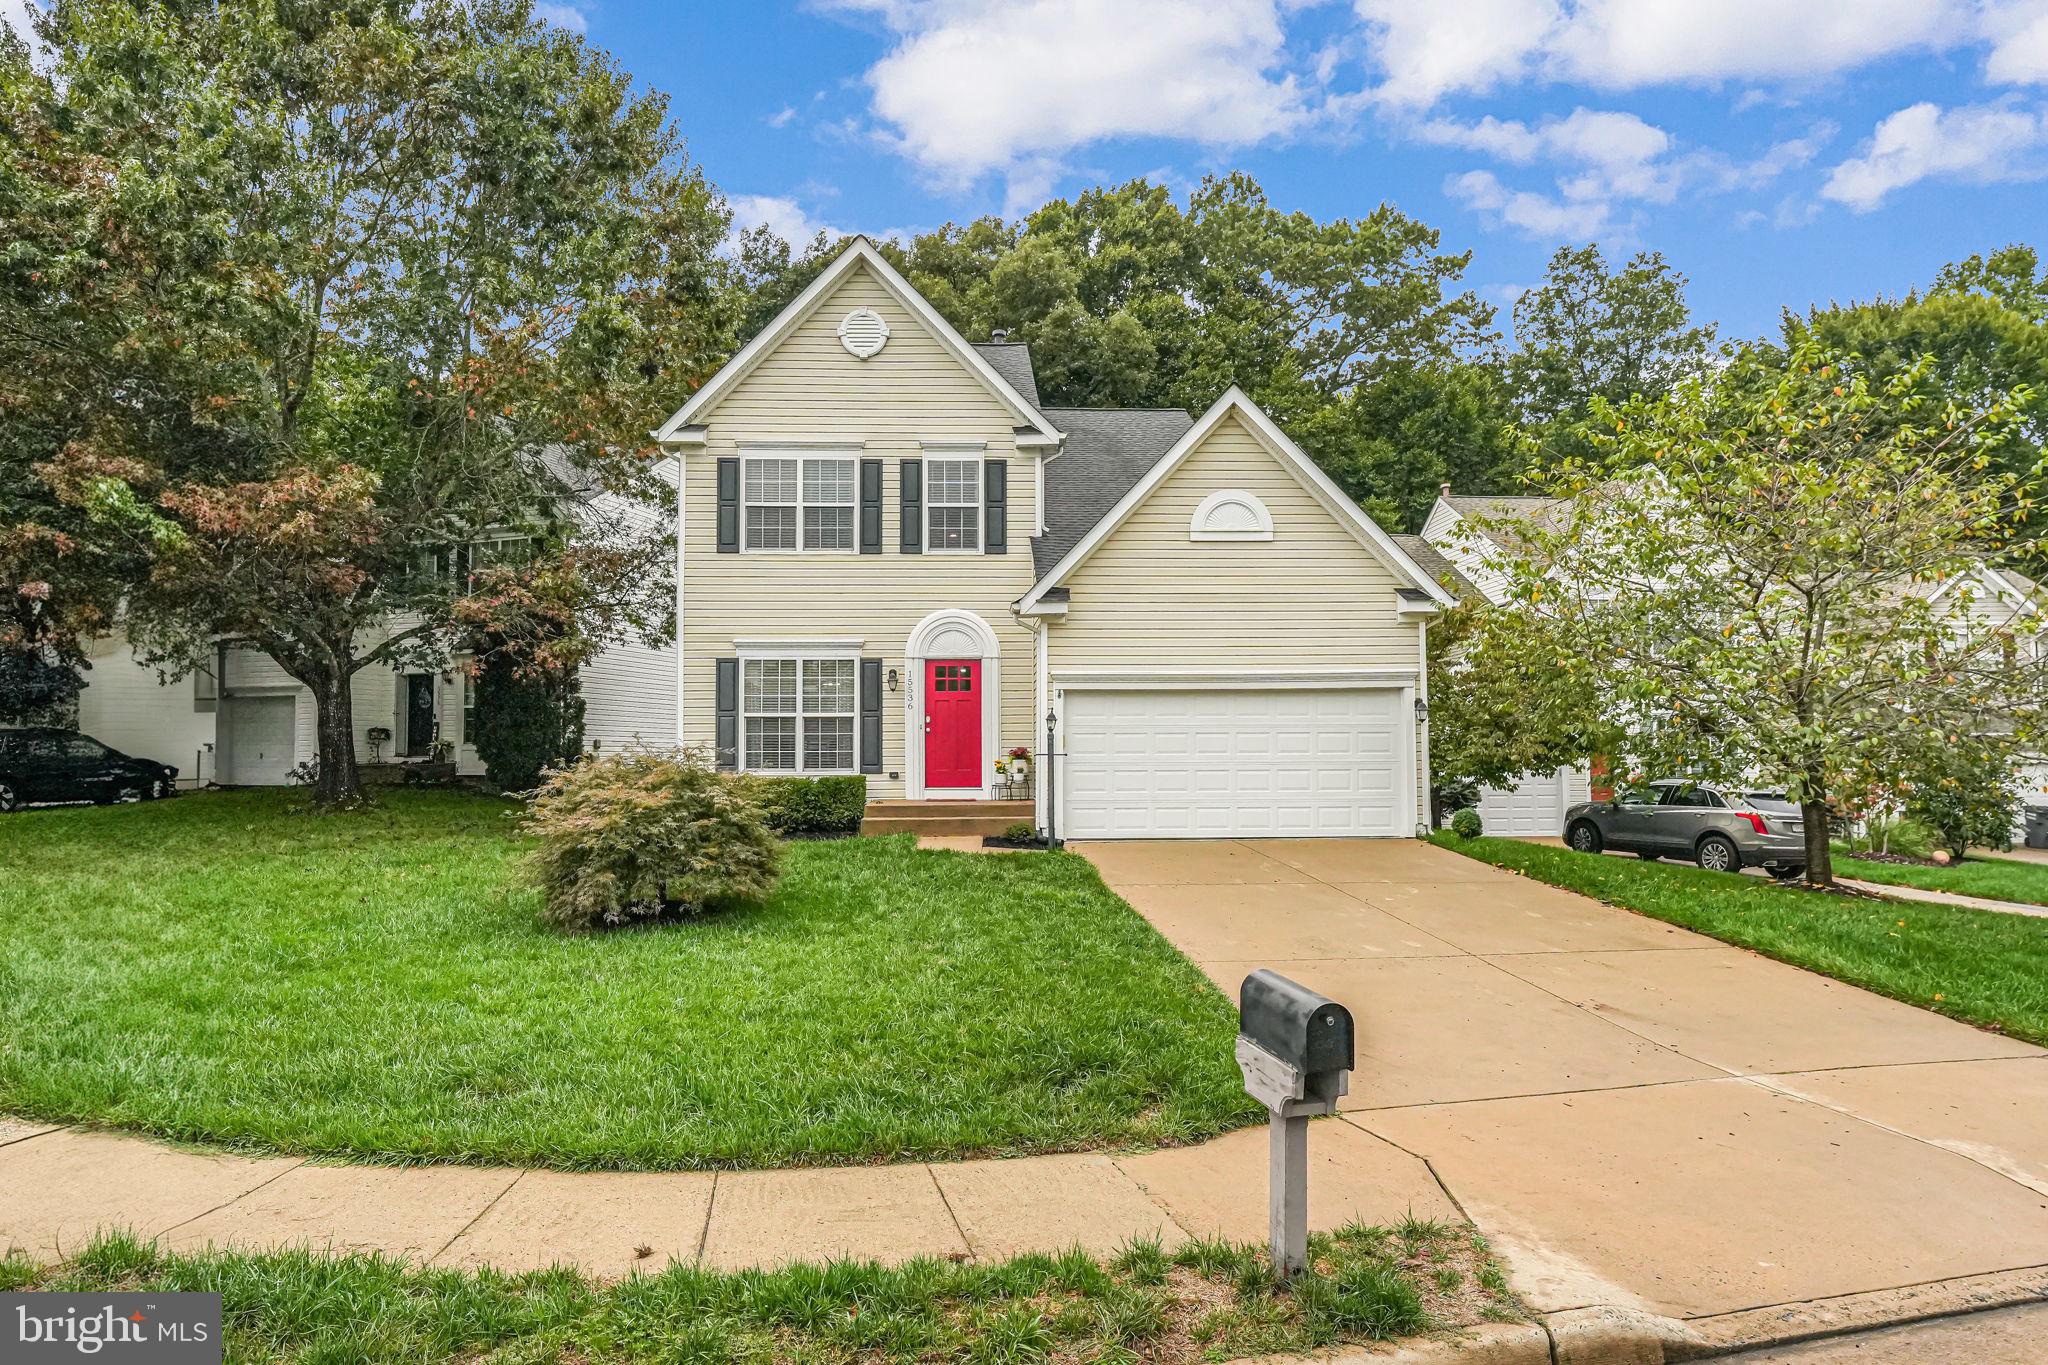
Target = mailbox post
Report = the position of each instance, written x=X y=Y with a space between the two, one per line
x=1296 y=1051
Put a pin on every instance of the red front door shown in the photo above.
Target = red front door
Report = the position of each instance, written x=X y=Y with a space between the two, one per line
x=952 y=723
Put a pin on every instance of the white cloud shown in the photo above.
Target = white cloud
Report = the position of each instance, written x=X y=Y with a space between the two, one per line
x=562 y=16
x=2019 y=37
x=1425 y=51
x=1010 y=87
x=1623 y=44
x=781 y=215
x=1537 y=215
x=781 y=117
x=1978 y=143
x=1428 y=50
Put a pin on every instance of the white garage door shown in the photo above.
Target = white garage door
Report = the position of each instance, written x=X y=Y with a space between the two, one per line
x=1211 y=764
x=260 y=740
x=1535 y=807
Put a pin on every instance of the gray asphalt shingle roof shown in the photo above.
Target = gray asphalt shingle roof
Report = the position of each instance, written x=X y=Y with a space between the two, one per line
x=1432 y=562
x=1107 y=451
x=1012 y=360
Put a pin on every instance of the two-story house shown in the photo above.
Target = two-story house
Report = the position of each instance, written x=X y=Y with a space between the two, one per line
x=893 y=561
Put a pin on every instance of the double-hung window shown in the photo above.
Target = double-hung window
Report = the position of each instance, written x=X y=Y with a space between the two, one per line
x=952 y=492
x=798 y=715
x=800 y=502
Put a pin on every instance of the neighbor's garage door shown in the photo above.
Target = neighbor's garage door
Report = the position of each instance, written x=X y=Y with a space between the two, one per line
x=1212 y=764
x=260 y=740
x=1535 y=807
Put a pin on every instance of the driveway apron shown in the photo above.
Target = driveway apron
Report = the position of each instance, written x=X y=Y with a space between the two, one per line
x=1634 y=1114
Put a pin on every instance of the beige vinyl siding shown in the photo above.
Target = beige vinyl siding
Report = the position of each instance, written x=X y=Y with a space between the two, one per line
x=1312 y=596
x=810 y=390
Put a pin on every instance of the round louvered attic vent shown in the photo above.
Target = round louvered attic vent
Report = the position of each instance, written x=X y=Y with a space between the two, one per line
x=863 y=332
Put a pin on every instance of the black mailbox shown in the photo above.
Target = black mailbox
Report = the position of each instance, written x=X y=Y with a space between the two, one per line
x=1309 y=1032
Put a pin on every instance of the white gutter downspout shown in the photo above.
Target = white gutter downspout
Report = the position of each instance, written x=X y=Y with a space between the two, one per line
x=1422 y=691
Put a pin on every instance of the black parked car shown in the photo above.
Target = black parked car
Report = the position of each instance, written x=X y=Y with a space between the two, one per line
x=61 y=765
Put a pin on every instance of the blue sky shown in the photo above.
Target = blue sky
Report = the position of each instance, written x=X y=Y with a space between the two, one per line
x=1777 y=151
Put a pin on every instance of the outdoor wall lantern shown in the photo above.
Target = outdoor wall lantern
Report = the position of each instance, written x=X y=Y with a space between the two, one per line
x=1421 y=709
x=892 y=680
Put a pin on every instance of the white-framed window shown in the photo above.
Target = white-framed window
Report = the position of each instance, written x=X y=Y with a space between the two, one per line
x=799 y=715
x=799 y=502
x=952 y=504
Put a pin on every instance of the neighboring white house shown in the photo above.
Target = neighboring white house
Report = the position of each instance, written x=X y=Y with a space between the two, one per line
x=1476 y=534
x=895 y=562
x=1535 y=806
x=244 y=722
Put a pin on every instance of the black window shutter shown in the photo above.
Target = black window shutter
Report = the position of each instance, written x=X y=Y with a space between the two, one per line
x=910 y=539
x=871 y=715
x=995 y=485
x=728 y=733
x=728 y=505
x=871 y=507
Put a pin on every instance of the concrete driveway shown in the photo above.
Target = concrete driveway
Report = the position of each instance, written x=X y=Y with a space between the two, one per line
x=1635 y=1115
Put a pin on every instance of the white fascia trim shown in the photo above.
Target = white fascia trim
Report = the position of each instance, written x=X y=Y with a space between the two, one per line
x=795 y=648
x=1044 y=611
x=1361 y=526
x=858 y=251
x=1136 y=679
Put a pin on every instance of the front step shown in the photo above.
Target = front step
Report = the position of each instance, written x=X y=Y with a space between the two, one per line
x=945 y=817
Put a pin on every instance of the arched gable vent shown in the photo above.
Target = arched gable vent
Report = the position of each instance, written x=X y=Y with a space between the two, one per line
x=1231 y=514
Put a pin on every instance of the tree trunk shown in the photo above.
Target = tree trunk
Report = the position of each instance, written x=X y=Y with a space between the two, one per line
x=338 y=782
x=1820 y=863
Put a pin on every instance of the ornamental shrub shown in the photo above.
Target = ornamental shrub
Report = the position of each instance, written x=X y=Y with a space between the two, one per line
x=634 y=834
x=1465 y=824
x=525 y=722
x=810 y=805
x=1965 y=795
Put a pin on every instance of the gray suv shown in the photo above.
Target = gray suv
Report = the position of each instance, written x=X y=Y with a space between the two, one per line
x=1721 y=829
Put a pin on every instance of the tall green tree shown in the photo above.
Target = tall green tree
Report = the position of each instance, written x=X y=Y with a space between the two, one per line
x=1588 y=333
x=1983 y=331
x=1755 y=575
x=306 y=292
x=1354 y=332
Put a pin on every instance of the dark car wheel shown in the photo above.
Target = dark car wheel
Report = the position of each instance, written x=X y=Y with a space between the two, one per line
x=9 y=802
x=1717 y=854
x=128 y=793
x=1584 y=836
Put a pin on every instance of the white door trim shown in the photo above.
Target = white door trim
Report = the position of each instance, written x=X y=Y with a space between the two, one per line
x=950 y=633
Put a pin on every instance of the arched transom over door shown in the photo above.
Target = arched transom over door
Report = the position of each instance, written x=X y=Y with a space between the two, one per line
x=951 y=705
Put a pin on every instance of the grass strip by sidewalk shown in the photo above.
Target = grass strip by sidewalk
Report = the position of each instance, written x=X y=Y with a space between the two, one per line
x=1206 y=1300
x=1978 y=966
x=1999 y=879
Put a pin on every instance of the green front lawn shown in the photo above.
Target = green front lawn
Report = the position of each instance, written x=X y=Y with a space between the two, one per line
x=1979 y=966
x=1203 y=1301
x=2001 y=879
x=226 y=969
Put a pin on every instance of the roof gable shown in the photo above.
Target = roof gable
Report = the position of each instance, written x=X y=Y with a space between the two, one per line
x=859 y=254
x=1290 y=457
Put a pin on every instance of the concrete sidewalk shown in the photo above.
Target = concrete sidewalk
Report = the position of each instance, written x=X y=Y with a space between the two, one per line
x=1635 y=1115
x=59 y=1185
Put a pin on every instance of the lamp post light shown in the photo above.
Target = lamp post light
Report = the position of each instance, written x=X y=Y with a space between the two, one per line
x=1048 y=767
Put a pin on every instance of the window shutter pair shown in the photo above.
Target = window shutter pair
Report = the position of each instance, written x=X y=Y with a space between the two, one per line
x=729 y=506
x=995 y=491
x=727 y=701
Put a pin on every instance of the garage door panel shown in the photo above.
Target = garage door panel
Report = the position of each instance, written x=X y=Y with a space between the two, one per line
x=1234 y=763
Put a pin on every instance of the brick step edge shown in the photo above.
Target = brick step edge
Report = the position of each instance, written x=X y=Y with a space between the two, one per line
x=939 y=824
